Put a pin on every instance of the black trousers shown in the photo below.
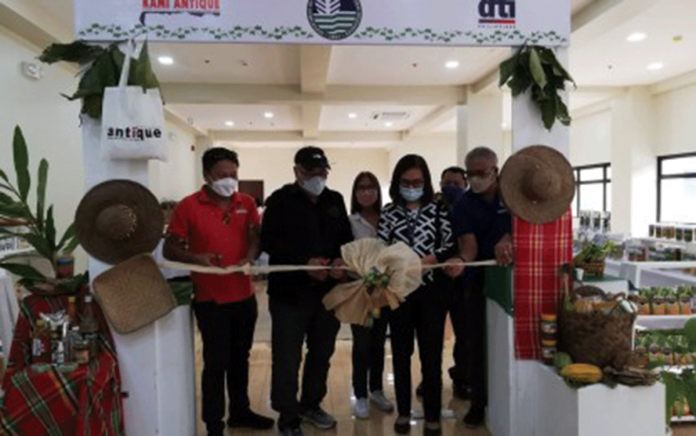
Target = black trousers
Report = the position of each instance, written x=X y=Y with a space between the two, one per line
x=456 y=306
x=476 y=342
x=293 y=323
x=228 y=334
x=422 y=315
x=368 y=355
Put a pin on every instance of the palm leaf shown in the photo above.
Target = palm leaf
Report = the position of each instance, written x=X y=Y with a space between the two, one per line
x=4 y=176
x=41 y=193
x=72 y=244
x=536 y=68
x=5 y=199
x=50 y=230
x=22 y=270
x=21 y=162
x=68 y=235
x=40 y=244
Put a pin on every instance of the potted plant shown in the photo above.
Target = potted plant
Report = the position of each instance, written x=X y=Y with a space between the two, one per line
x=39 y=226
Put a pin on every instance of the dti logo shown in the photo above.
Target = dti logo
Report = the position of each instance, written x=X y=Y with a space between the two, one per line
x=497 y=13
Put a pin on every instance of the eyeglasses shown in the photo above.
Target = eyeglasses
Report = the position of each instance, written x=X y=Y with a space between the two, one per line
x=419 y=183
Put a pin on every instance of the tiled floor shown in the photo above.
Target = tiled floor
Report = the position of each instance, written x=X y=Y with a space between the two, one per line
x=338 y=399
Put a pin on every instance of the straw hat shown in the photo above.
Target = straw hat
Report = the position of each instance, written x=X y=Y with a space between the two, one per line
x=537 y=184
x=134 y=294
x=117 y=220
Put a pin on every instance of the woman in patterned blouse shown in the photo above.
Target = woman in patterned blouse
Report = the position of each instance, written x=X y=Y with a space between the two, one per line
x=415 y=219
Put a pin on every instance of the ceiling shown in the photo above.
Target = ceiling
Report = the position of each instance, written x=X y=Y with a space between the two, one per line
x=357 y=82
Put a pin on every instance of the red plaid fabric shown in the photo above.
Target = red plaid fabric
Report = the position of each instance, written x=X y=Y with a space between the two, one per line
x=540 y=251
x=42 y=399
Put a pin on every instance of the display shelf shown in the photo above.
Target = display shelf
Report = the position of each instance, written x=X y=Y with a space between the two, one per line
x=663 y=322
x=676 y=419
x=673 y=242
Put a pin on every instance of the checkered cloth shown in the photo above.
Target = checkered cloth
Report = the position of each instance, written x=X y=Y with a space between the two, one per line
x=540 y=251
x=43 y=399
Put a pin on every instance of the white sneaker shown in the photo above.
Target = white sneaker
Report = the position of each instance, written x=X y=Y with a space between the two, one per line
x=381 y=402
x=361 y=408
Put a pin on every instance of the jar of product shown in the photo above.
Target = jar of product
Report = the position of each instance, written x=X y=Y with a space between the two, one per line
x=548 y=351
x=679 y=234
x=652 y=230
x=81 y=351
x=658 y=231
x=688 y=234
x=65 y=266
x=549 y=327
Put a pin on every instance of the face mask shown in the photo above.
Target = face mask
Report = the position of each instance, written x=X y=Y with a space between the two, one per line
x=314 y=186
x=452 y=194
x=411 y=195
x=225 y=187
x=481 y=184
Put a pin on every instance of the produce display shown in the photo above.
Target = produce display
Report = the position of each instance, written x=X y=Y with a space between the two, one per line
x=671 y=349
x=592 y=257
x=665 y=301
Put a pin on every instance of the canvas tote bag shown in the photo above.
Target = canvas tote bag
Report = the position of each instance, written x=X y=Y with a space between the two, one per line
x=133 y=126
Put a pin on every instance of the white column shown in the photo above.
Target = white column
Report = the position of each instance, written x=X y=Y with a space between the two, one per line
x=479 y=123
x=633 y=162
x=156 y=362
x=513 y=403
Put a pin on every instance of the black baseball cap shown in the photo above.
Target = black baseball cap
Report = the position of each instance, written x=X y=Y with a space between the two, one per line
x=311 y=158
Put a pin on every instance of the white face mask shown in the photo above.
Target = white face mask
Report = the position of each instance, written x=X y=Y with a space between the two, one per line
x=479 y=184
x=225 y=187
x=314 y=186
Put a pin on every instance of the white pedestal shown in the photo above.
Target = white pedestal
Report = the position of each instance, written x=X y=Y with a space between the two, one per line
x=527 y=398
x=598 y=410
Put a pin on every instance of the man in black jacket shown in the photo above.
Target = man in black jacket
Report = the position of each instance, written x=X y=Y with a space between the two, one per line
x=305 y=223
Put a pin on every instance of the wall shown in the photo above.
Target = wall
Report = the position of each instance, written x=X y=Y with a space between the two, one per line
x=275 y=166
x=676 y=121
x=590 y=139
x=439 y=153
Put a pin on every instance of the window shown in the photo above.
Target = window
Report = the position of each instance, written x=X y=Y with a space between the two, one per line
x=676 y=188
x=592 y=188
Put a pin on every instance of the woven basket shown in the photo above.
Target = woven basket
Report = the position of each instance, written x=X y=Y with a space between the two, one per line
x=597 y=338
x=595 y=269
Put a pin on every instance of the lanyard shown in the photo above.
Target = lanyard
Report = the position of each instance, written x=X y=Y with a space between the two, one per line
x=412 y=223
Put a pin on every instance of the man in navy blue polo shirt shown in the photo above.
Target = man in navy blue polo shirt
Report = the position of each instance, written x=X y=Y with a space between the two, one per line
x=484 y=230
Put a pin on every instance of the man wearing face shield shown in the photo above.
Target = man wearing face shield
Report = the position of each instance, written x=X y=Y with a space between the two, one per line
x=219 y=226
x=305 y=223
x=484 y=230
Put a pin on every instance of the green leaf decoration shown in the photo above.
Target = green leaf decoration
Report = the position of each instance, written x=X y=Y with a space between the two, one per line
x=537 y=69
x=40 y=244
x=51 y=230
x=21 y=163
x=41 y=192
x=22 y=270
x=77 y=52
x=141 y=72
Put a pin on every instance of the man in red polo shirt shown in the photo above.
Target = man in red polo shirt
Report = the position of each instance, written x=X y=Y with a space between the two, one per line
x=219 y=226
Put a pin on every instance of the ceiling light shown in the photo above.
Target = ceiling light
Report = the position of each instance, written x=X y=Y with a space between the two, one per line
x=229 y=123
x=636 y=37
x=268 y=115
x=452 y=64
x=352 y=115
x=656 y=66
x=388 y=124
x=166 y=60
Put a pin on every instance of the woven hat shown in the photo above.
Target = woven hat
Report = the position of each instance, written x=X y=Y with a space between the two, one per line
x=537 y=184
x=117 y=220
x=133 y=294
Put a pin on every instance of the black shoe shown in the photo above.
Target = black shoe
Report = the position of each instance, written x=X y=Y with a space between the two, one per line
x=432 y=431
x=402 y=428
x=419 y=390
x=475 y=417
x=217 y=430
x=250 y=420
x=291 y=431
x=461 y=391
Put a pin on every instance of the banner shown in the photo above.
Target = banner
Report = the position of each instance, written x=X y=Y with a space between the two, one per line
x=384 y=22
